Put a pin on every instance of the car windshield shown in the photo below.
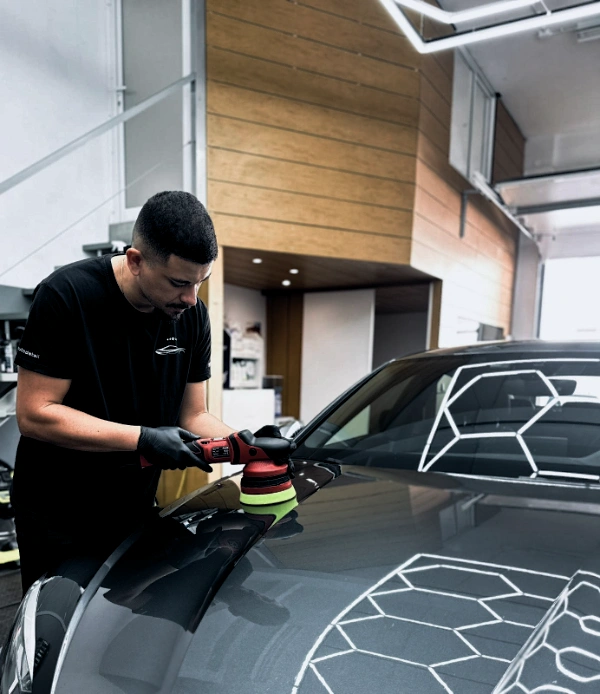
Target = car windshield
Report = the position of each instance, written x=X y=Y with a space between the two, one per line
x=525 y=416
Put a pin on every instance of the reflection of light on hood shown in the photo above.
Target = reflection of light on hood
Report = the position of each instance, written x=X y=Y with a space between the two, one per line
x=487 y=588
x=540 y=644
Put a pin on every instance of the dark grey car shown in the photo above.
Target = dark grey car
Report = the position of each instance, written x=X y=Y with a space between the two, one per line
x=446 y=540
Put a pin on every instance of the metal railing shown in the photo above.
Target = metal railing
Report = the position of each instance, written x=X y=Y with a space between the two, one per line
x=63 y=151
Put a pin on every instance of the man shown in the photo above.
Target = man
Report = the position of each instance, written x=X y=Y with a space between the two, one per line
x=114 y=359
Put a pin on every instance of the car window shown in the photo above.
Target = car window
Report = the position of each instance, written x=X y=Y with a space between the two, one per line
x=533 y=417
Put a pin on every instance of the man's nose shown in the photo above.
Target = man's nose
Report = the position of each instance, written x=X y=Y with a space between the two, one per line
x=190 y=295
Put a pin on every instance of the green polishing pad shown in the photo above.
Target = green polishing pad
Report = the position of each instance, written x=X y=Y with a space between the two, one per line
x=277 y=507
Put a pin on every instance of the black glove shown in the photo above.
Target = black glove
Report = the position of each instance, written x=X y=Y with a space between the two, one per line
x=166 y=448
x=269 y=431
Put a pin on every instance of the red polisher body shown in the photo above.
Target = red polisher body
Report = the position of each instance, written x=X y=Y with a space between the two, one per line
x=267 y=476
x=268 y=469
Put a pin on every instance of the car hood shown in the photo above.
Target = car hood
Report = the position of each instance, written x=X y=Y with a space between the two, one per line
x=441 y=583
x=434 y=583
x=129 y=629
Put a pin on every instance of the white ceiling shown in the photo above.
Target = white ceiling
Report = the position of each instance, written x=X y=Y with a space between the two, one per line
x=551 y=87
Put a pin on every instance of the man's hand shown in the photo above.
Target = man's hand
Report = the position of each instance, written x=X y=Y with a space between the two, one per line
x=166 y=448
x=269 y=431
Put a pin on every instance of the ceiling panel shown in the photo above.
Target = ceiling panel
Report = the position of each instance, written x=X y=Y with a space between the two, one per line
x=314 y=273
x=556 y=188
x=400 y=288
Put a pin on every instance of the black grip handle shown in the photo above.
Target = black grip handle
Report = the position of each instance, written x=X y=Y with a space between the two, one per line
x=273 y=447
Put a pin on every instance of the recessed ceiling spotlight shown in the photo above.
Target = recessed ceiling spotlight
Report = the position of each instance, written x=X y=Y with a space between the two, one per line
x=294 y=271
x=286 y=283
x=257 y=261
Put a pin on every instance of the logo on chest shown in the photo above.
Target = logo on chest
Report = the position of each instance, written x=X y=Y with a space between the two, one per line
x=170 y=348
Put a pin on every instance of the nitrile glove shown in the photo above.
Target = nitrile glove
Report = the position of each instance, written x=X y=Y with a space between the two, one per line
x=166 y=448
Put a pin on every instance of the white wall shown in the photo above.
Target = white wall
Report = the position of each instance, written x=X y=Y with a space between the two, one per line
x=525 y=298
x=562 y=151
x=243 y=306
x=398 y=334
x=57 y=79
x=570 y=288
x=337 y=345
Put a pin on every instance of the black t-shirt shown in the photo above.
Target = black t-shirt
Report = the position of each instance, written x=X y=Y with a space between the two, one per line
x=125 y=366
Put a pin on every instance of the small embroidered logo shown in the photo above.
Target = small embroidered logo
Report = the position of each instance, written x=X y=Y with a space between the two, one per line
x=28 y=353
x=170 y=349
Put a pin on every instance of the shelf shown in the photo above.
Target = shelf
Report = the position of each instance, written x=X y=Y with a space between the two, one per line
x=103 y=246
x=14 y=316
x=8 y=376
x=246 y=357
x=14 y=303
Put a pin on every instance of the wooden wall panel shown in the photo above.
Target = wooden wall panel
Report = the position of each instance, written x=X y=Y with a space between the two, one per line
x=312 y=127
x=240 y=136
x=280 y=237
x=328 y=122
x=509 y=147
x=284 y=346
x=260 y=203
x=329 y=136
x=252 y=170
x=174 y=484
x=435 y=102
x=321 y=26
x=232 y=34
x=272 y=78
x=477 y=270
x=370 y=13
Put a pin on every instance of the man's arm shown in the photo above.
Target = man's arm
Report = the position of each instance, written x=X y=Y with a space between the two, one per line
x=195 y=416
x=41 y=415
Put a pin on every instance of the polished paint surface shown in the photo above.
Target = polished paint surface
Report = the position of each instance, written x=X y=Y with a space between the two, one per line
x=386 y=580
x=407 y=582
x=136 y=627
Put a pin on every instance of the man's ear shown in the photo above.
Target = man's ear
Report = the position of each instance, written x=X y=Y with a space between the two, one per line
x=134 y=260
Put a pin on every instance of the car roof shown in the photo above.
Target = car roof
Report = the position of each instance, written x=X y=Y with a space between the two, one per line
x=506 y=347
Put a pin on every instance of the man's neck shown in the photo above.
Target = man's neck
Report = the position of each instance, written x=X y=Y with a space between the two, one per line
x=126 y=283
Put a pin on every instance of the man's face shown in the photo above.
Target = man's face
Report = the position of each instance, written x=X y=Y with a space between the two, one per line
x=172 y=287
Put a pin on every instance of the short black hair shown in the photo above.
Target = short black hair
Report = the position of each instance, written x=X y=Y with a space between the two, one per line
x=176 y=223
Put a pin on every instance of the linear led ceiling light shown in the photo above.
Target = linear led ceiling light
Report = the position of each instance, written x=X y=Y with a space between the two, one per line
x=515 y=26
x=467 y=15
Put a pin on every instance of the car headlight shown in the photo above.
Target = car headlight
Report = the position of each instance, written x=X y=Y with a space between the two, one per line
x=19 y=655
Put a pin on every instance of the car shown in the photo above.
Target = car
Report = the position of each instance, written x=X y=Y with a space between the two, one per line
x=445 y=539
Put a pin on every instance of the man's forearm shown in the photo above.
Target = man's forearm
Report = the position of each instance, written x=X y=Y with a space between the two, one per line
x=206 y=425
x=70 y=428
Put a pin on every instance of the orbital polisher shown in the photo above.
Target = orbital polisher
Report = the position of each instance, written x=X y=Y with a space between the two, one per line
x=266 y=485
x=268 y=469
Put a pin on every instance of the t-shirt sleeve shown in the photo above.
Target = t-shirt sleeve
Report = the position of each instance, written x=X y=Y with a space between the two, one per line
x=200 y=364
x=47 y=340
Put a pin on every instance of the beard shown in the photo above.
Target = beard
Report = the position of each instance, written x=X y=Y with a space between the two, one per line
x=162 y=310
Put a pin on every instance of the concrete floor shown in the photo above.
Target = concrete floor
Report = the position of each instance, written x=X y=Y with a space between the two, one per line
x=10 y=597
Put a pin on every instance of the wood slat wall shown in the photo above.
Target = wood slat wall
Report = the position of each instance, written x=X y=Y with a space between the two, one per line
x=284 y=345
x=509 y=147
x=312 y=128
x=477 y=270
